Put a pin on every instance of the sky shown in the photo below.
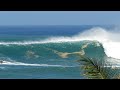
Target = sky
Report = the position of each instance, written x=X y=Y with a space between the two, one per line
x=59 y=17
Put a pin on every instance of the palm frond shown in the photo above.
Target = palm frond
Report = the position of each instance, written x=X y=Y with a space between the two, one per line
x=96 y=69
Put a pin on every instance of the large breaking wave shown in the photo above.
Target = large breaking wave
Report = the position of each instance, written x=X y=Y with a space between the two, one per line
x=109 y=39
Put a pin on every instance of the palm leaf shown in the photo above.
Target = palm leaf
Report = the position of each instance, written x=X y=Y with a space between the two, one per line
x=96 y=69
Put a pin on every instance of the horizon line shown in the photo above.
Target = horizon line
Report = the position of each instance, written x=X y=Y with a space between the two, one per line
x=61 y=25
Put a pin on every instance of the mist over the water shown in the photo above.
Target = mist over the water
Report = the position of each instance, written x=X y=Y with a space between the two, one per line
x=110 y=40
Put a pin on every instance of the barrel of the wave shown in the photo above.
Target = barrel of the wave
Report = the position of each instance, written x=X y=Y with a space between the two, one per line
x=94 y=50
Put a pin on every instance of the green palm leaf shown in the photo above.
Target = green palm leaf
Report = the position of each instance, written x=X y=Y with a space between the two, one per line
x=96 y=69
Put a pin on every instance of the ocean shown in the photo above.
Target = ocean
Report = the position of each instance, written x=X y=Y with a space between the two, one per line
x=51 y=52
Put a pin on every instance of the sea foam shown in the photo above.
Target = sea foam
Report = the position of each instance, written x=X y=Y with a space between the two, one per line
x=28 y=64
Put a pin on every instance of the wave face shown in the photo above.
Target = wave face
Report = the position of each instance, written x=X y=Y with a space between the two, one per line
x=42 y=51
x=53 y=52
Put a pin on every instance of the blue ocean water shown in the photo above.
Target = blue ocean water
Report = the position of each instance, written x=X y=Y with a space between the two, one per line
x=39 y=52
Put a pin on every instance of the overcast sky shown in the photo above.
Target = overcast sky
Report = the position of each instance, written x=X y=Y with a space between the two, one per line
x=59 y=17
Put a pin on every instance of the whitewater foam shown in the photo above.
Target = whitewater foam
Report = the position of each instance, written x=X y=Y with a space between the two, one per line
x=27 y=64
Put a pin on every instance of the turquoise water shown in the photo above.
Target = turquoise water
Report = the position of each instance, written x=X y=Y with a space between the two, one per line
x=35 y=52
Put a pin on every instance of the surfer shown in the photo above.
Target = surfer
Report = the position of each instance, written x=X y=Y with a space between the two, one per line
x=1 y=61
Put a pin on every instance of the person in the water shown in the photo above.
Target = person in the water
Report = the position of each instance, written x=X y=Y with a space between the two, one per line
x=1 y=61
